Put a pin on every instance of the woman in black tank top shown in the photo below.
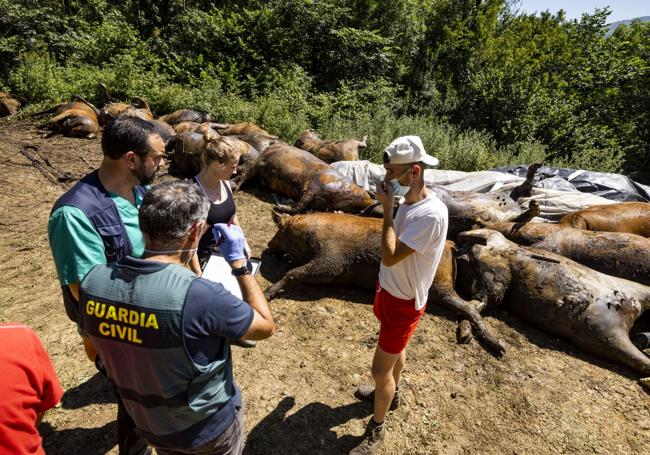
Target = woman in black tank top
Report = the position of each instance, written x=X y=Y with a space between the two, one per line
x=220 y=161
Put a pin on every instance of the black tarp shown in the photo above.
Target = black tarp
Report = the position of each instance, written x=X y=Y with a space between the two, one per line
x=615 y=187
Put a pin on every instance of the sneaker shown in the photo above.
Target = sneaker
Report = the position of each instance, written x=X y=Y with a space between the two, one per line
x=243 y=343
x=372 y=439
x=366 y=392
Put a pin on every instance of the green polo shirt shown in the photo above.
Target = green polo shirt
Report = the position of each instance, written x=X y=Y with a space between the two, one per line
x=76 y=245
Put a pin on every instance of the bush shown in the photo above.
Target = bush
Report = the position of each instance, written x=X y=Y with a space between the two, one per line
x=482 y=85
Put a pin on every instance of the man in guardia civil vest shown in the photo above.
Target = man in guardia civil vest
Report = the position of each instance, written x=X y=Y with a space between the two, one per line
x=163 y=333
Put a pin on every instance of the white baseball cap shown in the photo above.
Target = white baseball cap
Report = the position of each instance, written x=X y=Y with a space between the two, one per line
x=409 y=149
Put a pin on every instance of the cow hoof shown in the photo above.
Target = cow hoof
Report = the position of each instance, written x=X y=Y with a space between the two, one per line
x=464 y=332
x=281 y=208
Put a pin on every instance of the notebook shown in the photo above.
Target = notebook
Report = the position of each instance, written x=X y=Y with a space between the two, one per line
x=219 y=271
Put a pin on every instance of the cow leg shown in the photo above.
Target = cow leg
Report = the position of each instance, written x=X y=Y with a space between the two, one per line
x=314 y=268
x=247 y=174
x=630 y=355
x=78 y=128
x=300 y=207
x=89 y=104
x=525 y=189
x=444 y=293
x=47 y=111
x=523 y=218
x=468 y=310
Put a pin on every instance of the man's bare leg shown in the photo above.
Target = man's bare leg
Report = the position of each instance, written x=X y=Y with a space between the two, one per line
x=399 y=366
x=383 y=365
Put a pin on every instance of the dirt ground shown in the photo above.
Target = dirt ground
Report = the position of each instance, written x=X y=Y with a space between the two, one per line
x=543 y=396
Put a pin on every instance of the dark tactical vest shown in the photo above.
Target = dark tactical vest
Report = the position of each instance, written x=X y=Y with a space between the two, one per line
x=134 y=318
x=90 y=196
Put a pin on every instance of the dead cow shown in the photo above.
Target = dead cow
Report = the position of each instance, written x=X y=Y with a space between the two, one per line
x=295 y=173
x=615 y=253
x=631 y=217
x=186 y=127
x=185 y=150
x=142 y=110
x=75 y=119
x=592 y=310
x=229 y=129
x=257 y=141
x=471 y=210
x=331 y=151
x=193 y=127
x=9 y=104
x=339 y=248
x=185 y=115
x=112 y=110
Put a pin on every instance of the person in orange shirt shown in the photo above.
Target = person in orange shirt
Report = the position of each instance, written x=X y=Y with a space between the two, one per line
x=28 y=387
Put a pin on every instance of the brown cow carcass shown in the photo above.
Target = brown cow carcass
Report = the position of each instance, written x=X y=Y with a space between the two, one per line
x=193 y=127
x=185 y=115
x=299 y=175
x=591 y=310
x=74 y=119
x=242 y=128
x=258 y=141
x=331 y=151
x=339 y=248
x=9 y=104
x=631 y=217
x=185 y=151
x=470 y=210
x=115 y=109
x=186 y=127
x=112 y=110
x=614 y=253
x=141 y=110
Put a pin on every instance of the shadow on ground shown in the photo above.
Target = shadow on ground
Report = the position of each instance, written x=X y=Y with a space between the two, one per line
x=274 y=267
x=89 y=441
x=308 y=431
x=96 y=390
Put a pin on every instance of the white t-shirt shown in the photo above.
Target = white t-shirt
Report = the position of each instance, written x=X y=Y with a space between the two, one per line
x=422 y=227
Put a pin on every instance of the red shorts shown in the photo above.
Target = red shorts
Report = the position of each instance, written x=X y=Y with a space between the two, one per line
x=398 y=320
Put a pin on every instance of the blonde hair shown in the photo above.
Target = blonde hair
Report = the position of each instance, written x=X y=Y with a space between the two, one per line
x=219 y=149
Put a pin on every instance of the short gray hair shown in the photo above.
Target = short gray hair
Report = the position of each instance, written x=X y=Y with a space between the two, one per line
x=170 y=209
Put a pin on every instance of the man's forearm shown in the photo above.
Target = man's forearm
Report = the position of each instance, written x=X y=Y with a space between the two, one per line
x=252 y=293
x=388 y=239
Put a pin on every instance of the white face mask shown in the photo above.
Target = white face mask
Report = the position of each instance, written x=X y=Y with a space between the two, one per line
x=400 y=190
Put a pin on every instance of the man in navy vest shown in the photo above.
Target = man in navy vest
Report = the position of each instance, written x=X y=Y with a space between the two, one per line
x=96 y=222
x=163 y=333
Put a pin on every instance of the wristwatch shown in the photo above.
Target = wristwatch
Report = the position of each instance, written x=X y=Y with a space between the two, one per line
x=243 y=270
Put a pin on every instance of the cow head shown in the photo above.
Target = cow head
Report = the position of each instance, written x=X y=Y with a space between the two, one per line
x=306 y=136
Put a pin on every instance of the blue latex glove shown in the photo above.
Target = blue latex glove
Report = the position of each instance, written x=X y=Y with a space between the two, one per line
x=231 y=241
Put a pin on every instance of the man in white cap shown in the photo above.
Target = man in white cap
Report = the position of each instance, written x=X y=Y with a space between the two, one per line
x=411 y=248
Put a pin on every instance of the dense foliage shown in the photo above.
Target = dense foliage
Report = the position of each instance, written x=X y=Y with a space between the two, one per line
x=482 y=84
